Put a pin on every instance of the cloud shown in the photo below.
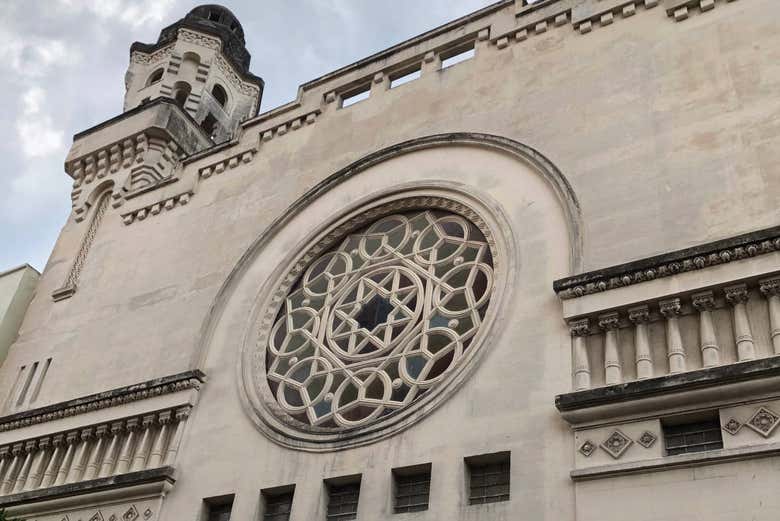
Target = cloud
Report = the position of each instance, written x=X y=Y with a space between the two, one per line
x=35 y=128
x=134 y=13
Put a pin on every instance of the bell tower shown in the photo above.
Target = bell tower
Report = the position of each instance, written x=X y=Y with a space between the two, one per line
x=201 y=63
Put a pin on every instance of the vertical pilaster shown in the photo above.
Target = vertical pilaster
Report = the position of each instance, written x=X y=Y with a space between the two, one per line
x=640 y=316
x=71 y=440
x=80 y=459
x=139 y=461
x=770 y=288
x=613 y=371
x=36 y=471
x=738 y=296
x=704 y=303
x=21 y=478
x=13 y=469
x=51 y=469
x=5 y=463
x=155 y=458
x=181 y=422
x=675 y=351
x=109 y=459
x=94 y=458
x=579 y=330
x=123 y=464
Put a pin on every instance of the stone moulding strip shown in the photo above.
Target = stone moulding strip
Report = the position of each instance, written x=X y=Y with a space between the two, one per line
x=162 y=475
x=155 y=208
x=665 y=265
x=122 y=395
x=681 y=9
x=671 y=384
x=229 y=163
x=712 y=457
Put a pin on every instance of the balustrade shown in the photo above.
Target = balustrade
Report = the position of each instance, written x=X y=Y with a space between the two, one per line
x=101 y=451
x=629 y=327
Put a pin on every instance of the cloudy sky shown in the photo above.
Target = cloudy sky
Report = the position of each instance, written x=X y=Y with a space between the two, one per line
x=62 y=65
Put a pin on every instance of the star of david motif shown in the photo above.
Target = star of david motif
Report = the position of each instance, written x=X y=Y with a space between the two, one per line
x=375 y=323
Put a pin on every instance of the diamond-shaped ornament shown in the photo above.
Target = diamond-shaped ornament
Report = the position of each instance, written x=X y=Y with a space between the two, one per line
x=732 y=426
x=647 y=439
x=616 y=444
x=131 y=514
x=763 y=422
x=588 y=448
x=97 y=517
x=148 y=513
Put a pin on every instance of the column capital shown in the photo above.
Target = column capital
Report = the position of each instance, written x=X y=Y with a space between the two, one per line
x=182 y=413
x=101 y=431
x=43 y=443
x=71 y=437
x=86 y=434
x=609 y=321
x=57 y=440
x=132 y=424
x=148 y=420
x=165 y=417
x=736 y=294
x=639 y=314
x=703 y=301
x=670 y=308
x=17 y=449
x=579 y=327
x=30 y=446
x=770 y=287
x=5 y=452
x=117 y=427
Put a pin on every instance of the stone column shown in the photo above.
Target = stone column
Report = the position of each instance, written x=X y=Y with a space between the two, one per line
x=139 y=461
x=5 y=463
x=738 y=296
x=710 y=352
x=21 y=478
x=51 y=469
x=579 y=344
x=80 y=460
x=8 y=482
x=123 y=464
x=771 y=290
x=94 y=458
x=71 y=440
x=675 y=351
x=155 y=458
x=613 y=371
x=173 y=447
x=111 y=453
x=640 y=316
x=38 y=465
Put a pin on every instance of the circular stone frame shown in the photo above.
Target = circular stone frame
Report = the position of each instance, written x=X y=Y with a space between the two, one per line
x=452 y=197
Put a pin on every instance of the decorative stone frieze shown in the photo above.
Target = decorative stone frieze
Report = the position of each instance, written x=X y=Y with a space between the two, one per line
x=113 y=398
x=588 y=448
x=280 y=129
x=764 y=422
x=152 y=58
x=226 y=164
x=732 y=426
x=156 y=208
x=647 y=439
x=200 y=39
x=586 y=16
x=616 y=444
x=680 y=10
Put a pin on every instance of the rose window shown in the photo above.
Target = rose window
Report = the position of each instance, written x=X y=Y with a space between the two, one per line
x=375 y=323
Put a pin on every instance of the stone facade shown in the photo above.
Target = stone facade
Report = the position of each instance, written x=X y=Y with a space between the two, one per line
x=541 y=282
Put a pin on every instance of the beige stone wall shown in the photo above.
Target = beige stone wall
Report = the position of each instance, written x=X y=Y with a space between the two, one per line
x=667 y=133
x=17 y=287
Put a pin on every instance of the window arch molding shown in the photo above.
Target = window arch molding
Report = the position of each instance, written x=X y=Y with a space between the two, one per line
x=155 y=76
x=259 y=408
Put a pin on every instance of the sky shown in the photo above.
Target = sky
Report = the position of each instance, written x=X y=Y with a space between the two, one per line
x=62 y=66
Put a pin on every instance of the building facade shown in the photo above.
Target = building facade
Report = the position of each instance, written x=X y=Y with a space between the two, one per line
x=523 y=266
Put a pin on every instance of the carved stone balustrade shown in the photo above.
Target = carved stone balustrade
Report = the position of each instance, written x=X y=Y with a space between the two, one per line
x=92 y=453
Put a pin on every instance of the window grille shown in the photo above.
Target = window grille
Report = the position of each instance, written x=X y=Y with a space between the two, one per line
x=343 y=502
x=220 y=512
x=489 y=482
x=278 y=507
x=693 y=437
x=412 y=492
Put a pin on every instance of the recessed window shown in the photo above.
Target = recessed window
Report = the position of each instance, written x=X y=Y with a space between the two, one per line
x=404 y=77
x=218 y=508
x=355 y=96
x=412 y=488
x=457 y=56
x=219 y=93
x=343 y=495
x=488 y=478
x=181 y=91
x=278 y=503
x=155 y=77
x=693 y=435
x=210 y=126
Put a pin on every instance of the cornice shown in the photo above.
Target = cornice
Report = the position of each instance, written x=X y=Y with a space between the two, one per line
x=665 y=265
x=119 y=396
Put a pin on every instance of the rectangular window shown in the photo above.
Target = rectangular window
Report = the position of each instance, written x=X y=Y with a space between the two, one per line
x=488 y=478
x=412 y=488
x=403 y=77
x=278 y=503
x=456 y=56
x=343 y=495
x=355 y=96
x=218 y=508
x=700 y=435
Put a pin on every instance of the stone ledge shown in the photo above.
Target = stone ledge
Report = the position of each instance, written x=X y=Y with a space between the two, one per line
x=668 y=264
x=671 y=384
x=121 y=395
x=712 y=457
x=162 y=475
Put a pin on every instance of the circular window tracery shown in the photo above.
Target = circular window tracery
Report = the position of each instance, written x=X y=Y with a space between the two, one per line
x=366 y=328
